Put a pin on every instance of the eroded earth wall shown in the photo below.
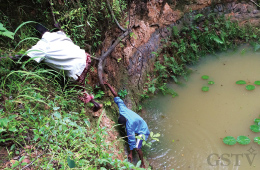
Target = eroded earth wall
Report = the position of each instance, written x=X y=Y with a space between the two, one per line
x=133 y=58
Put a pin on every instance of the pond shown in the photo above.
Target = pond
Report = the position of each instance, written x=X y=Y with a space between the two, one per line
x=193 y=124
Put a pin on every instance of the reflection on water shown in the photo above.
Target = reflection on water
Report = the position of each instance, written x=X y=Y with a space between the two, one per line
x=198 y=121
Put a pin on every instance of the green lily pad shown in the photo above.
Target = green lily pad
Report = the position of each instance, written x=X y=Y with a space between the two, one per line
x=243 y=140
x=241 y=82
x=250 y=87
x=211 y=82
x=205 y=77
x=205 y=88
x=229 y=140
x=255 y=128
x=257 y=121
x=257 y=82
x=257 y=140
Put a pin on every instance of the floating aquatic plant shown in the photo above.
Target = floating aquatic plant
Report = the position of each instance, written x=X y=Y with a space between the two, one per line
x=211 y=82
x=257 y=82
x=205 y=88
x=205 y=77
x=250 y=87
x=257 y=140
x=241 y=82
x=243 y=140
x=229 y=140
x=257 y=121
x=255 y=128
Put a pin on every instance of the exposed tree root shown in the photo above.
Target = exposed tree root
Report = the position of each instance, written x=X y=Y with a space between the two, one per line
x=107 y=53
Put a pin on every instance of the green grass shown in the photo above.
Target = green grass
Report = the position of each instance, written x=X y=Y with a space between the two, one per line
x=40 y=112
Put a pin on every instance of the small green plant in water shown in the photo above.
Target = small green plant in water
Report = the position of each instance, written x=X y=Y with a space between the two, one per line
x=257 y=140
x=243 y=140
x=205 y=88
x=229 y=140
x=257 y=83
x=257 y=121
x=211 y=82
x=241 y=82
x=255 y=128
x=250 y=87
x=205 y=77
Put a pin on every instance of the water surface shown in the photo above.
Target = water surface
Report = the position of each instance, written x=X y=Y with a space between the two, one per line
x=197 y=121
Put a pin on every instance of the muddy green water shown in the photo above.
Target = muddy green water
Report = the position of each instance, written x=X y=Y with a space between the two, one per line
x=197 y=121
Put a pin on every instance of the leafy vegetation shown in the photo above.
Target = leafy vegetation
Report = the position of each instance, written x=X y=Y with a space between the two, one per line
x=5 y=32
x=152 y=136
x=257 y=140
x=39 y=108
x=205 y=88
x=229 y=140
x=257 y=83
x=243 y=140
x=81 y=20
x=122 y=93
x=250 y=87
x=241 y=82
x=255 y=128
x=99 y=94
x=205 y=77
x=257 y=121
x=41 y=113
x=187 y=45
x=211 y=82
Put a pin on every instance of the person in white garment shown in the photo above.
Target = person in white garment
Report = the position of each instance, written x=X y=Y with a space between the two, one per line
x=60 y=53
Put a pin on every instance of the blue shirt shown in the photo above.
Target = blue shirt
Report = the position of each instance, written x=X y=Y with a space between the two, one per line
x=134 y=124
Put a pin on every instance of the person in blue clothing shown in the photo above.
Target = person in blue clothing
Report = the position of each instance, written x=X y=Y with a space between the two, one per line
x=134 y=124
